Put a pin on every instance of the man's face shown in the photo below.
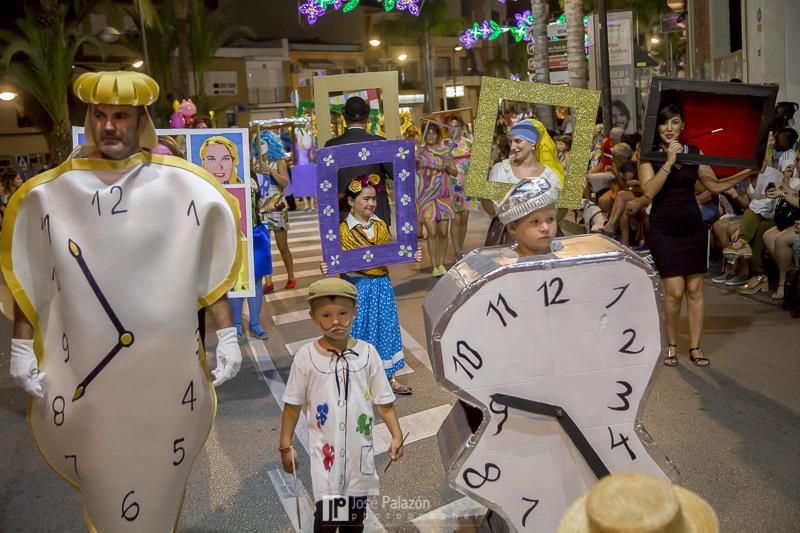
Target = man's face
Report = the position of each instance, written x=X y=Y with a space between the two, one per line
x=116 y=129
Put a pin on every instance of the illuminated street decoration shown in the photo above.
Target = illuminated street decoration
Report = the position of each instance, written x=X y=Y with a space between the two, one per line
x=314 y=9
x=490 y=30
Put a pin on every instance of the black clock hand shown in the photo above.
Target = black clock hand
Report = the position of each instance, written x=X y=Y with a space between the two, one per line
x=80 y=390
x=567 y=424
x=76 y=252
x=125 y=337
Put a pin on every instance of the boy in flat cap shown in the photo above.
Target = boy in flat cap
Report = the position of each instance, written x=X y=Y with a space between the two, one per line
x=109 y=256
x=337 y=379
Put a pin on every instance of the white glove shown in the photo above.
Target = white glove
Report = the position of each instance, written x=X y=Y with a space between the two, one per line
x=229 y=356
x=25 y=369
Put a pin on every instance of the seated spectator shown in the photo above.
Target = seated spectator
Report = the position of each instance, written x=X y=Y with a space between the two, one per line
x=563 y=147
x=780 y=239
x=625 y=187
x=614 y=137
x=732 y=203
x=757 y=219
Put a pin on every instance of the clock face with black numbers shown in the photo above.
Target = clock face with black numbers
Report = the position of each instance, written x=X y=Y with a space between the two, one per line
x=578 y=331
x=110 y=274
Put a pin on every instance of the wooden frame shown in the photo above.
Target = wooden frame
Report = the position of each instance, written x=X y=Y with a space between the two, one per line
x=385 y=81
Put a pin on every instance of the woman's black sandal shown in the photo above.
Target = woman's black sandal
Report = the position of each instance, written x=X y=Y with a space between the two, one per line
x=672 y=358
x=698 y=361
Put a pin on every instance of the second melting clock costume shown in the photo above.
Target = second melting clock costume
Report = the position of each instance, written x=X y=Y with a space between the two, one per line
x=110 y=260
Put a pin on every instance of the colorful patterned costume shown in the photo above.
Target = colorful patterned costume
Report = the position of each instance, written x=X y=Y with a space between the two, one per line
x=433 y=190
x=377 y=321
x=461 y=155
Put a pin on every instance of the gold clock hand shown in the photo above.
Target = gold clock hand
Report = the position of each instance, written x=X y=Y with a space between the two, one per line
x=567 y=424
x=125 y=340
x=76 y=252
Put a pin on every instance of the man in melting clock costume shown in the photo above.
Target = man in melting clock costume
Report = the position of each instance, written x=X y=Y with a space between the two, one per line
x=109 y=257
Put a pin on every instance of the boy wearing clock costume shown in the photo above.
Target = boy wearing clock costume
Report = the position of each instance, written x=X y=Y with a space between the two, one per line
x=109 y=256
x=528 y=212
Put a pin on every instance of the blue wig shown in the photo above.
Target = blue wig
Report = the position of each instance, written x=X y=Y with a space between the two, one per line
x=275 y=151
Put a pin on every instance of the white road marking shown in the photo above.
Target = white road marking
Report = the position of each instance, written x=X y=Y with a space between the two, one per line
x=297 y=249
x=304 y=224
x=416 y=349
x=283 y=484
x=301 y=274
x=462 y=514
x=420 y=425
x=288 y=318
x=291 y=240
x=292 y=347
x=285 y=295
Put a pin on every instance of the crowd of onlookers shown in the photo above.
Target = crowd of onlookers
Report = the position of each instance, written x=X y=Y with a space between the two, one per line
x=755 y=226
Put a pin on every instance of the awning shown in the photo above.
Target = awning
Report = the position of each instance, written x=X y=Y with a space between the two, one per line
x=642 y=58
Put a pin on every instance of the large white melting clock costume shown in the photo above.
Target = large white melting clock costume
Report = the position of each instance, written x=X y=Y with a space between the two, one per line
x=111 y=276
x=551 y=356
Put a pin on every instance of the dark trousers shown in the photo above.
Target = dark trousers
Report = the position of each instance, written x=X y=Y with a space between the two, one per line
x=348 y=520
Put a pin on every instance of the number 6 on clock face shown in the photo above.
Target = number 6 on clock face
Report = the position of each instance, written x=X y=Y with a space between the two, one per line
x=573 y=338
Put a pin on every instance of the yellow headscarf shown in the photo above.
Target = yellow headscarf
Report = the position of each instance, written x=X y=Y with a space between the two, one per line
x=545 y=150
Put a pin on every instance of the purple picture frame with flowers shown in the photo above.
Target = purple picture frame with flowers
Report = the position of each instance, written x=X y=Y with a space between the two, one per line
x=329 y=160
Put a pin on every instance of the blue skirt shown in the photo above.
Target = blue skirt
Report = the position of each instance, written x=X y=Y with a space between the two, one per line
x=262 y=252
x=377 y=321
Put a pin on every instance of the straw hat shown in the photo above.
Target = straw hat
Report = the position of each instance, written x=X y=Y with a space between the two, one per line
x=118 y=88
x=632 y=502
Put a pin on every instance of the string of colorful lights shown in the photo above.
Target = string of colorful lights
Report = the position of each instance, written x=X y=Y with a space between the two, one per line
x=490 y=30
x=314 y=9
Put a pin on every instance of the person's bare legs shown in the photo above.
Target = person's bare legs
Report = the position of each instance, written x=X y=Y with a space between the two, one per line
x=282 y=240
x=625 y=228
x=437 y=231
x=783 y=256
x=623 y=197
x=674 y=289
x=606 y=202
x=433 y=243
x=458 y=232
x=695 y=308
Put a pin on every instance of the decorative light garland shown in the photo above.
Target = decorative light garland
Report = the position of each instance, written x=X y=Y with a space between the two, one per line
x=490 y=30
x=314 y=9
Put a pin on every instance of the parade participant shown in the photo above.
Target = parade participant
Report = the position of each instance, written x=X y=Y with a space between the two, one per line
x=377 y=321
x=533 y=154
x=220 y=157
x=262 y=264
x=461 y=151
x=434 y=207
x=356 y=114
x=338 y=379
x=272 y=182
x=529 y=213
x=633 y=501
x=678 y=239
x=106 y=325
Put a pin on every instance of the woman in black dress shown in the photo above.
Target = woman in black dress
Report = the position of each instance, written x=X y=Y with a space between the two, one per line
x=678 y=237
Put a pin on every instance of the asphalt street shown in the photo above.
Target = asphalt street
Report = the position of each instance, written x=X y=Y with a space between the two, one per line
x=732 y=429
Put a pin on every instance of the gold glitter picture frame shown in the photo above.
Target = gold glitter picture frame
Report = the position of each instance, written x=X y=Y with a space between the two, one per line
x=582 y=102
x=386 y=82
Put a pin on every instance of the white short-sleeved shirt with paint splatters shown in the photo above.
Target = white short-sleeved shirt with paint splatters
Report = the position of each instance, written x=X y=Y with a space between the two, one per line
x=338 y=393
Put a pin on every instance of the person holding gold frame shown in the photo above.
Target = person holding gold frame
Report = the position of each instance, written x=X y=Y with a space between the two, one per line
x=533 y=155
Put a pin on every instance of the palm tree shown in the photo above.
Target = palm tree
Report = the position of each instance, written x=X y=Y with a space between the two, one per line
x=539 y=10
x=576 y=56
x=40 y=55
x=209 y=32
x=433 y=21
